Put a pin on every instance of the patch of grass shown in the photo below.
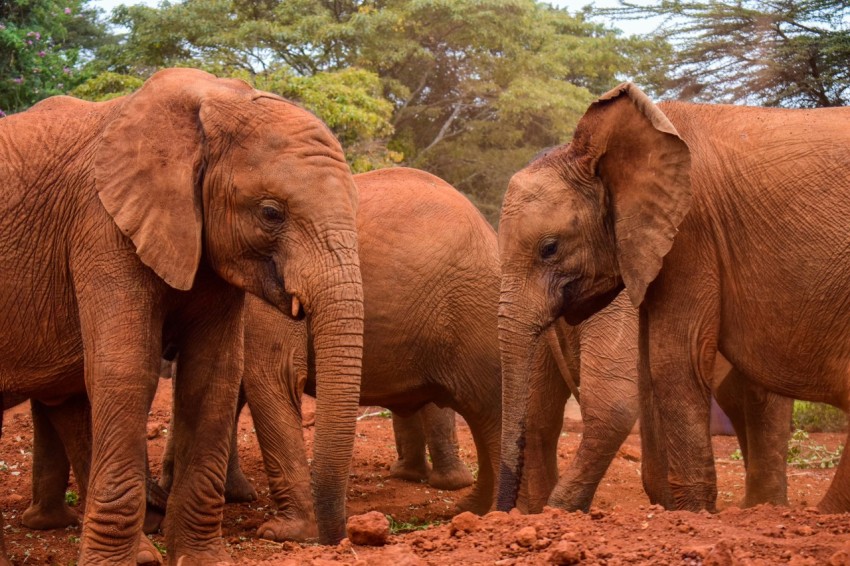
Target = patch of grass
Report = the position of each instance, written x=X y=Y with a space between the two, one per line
x=160 y=547
x=73 y=539
x=804 y=453
x=818 y=417
x=400 y=527
x=736 y=455
x=72 y=498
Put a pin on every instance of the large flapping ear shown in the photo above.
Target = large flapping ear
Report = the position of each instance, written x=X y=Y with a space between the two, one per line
x=645 y=168
x=149 y=164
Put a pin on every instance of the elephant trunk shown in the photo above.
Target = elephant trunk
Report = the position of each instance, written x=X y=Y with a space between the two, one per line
x=337 y=337
x=518 y=338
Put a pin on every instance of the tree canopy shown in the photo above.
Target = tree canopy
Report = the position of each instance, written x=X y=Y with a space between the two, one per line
x=467 y=89
x=790 y=53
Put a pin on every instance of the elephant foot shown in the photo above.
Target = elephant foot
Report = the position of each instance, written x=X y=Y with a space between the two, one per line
x=147 y=555
x=211 y=558
x=237 y=488
x=153 y=520
x=569 y=498
x=410 y=471
x=452 y=477
x=43 y=518
x=474 y=503
x=280 y=529
x=833 y=505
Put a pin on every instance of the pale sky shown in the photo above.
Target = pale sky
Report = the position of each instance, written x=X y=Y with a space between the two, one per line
x=628 y=26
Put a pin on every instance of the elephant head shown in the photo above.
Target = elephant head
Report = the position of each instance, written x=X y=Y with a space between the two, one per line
x=198 y=170
x=578 y=225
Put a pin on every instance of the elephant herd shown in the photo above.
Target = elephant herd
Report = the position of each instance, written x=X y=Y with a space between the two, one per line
x=668 y=253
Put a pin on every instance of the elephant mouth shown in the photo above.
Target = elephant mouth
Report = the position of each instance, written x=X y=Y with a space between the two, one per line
x=576 y=308
x=276 y=293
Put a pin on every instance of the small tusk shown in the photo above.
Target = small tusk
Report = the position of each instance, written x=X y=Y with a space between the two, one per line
x=296 y=307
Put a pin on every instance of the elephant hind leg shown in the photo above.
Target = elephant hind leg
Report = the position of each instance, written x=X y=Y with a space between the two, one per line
x=764 y=439
x=237 y=488
x=449 y=471
x=50 y=471
x=837 y=498
x=409 y=431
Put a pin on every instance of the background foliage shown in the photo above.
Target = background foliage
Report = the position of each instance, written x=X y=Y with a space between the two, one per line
x=469 y=90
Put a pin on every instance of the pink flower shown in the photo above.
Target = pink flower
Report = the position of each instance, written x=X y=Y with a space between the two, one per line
x=2 y=114
x=66 y=70
x=41 y=53
x=29 y=42
x=2 y=27
x=18 y=80
x=68 y=11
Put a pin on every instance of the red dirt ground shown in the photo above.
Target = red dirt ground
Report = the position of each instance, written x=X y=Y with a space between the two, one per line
x=621 y=529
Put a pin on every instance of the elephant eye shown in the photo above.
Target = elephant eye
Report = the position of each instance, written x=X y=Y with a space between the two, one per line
x=548 y=249
x=271 y=214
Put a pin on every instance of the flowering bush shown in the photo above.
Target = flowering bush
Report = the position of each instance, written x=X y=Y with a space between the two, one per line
x=41 y=42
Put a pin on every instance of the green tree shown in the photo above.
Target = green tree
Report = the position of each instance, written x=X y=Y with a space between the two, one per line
x=467 y=89
x=42 y=44
x=790 y=53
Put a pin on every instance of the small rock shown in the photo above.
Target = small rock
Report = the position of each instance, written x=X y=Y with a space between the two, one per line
x=465 y=522
x=526 y=536
x=14 y=498
x=596 y=513
x=700 y=551
x=841 y=558
x=154 y=432
x=800 y=560
x=804 y=531
x=372 y=529
x=565 y=553
x=720 y=555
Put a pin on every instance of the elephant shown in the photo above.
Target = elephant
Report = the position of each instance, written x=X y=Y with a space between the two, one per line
x=726 y=228
x=430 y=272
x=144 y=221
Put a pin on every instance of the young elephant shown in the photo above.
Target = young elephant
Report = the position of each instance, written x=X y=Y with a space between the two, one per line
x=430 y=276
x=122 y=223
x=728 y=227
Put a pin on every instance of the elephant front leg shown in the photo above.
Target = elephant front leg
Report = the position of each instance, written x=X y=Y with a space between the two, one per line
x=273 y=391
x=676 y=359
x=206 y=389
x=121 y=380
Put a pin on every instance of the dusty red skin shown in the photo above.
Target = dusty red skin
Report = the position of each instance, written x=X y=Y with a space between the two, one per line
x=771 y=534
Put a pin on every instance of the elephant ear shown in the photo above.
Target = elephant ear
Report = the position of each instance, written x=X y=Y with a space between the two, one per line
x=149 y=168
x=645 y=168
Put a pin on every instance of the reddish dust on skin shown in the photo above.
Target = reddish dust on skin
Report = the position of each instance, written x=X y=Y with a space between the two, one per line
x=621 y=529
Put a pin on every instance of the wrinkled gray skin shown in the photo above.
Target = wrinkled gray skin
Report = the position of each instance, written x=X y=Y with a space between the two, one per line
x=727 y=225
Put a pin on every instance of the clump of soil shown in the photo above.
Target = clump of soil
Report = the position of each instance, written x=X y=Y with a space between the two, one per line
x=621 y=529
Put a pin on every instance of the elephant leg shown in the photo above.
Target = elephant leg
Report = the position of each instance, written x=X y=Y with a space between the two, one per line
x=547 y=400
x=837 y=498
x=679 y=368
x=121 y=376
x=50 y=471
x=449 y=472
x=206 y=390
x=653 y=450
x=237 y=488
x=609 y=411
x=481 y=408
x=273 y=385
x=412 y=464
x=761 y=421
